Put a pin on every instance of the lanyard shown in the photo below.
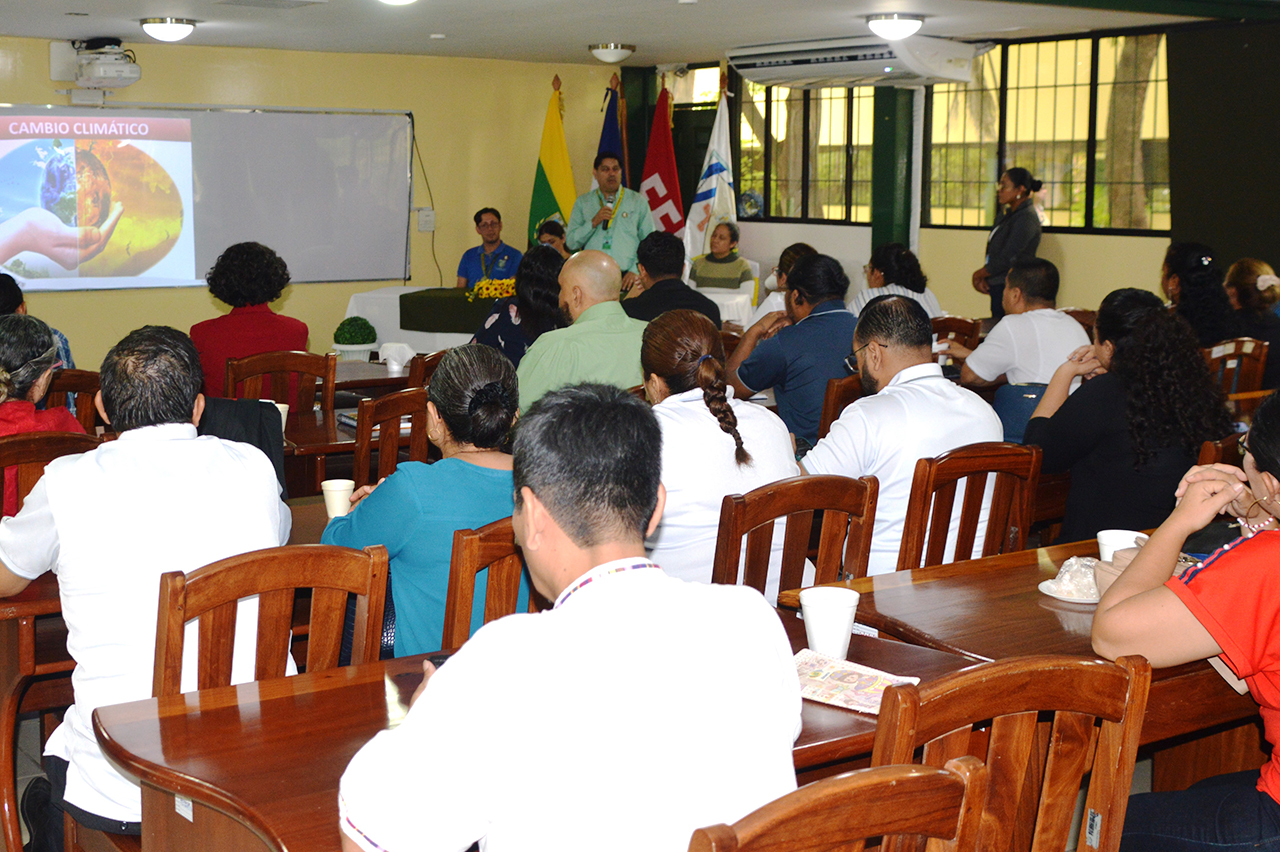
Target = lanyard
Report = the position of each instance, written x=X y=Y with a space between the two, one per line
x=617 y=205
x=485 y=270
x=591 y=577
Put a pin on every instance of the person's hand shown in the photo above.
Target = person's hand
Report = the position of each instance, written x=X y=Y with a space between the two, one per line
x=94 y=240
x=602 y=215
x=1201 y=502
x=631 y=284
x=39 y=230
x=1242 y=507
x=769 y=325
x=364 y=491
x=428 y=669
x=955 y=350
x=1082 y=362
x=979 y=279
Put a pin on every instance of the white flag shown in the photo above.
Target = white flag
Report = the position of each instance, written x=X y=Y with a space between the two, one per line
x=714 y=201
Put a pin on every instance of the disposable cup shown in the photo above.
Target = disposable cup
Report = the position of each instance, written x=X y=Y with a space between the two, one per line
x=394 y=366
x=828 y=619
x=1109 y=541
x=337 y=496
x=283 y=408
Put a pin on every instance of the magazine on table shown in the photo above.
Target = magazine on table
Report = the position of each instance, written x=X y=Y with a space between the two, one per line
x=841 y=683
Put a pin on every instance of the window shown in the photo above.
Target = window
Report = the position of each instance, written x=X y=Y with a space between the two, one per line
x=805 y=154
x=1087 y=116
x=696 y=86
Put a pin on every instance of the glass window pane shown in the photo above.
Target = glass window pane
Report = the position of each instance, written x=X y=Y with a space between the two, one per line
x=828 y=135
x=962 y=147
x=786 y=144
x=751 y=153
x=1132 y=185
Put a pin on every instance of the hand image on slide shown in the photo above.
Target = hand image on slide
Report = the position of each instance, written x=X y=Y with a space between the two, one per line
x=41 y=231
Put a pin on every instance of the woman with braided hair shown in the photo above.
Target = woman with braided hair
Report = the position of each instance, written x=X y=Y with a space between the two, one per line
x=471 y=407
x=28 y=357
x=712 y=444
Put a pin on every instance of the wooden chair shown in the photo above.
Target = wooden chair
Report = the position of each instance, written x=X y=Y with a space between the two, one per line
x=1223 y=451
x=43 y=660
x=1050 y=505
x=384 y=414
x=933 y=491
x=493 y=546
x=80 y=385
x=966 y=332
x=1086 y=318
x=840 y=392
x=843 y=812
x=848 y=509
x=638 y=392
x=245 y=378
x=1238 y=364
x=1095 y=711
x=729 y=340
x=423 y=367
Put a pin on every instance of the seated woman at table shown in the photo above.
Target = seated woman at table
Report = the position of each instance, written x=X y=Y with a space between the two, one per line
x=415 y=511
x=712 y=444
x=1137 y=422
x=1193 y=283
x=551 y=233
x=1226 y=606
x=1252 y=287
x=894 y=271
x=516 y=321
x=28 y=357
x=246 y=276
x=721 y=268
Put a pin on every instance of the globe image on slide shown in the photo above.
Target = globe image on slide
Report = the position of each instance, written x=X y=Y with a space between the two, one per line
x=93 y=189
x=58 y=187
x=114 y=171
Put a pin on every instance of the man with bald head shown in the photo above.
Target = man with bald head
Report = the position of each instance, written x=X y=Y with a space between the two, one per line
x=601 y=344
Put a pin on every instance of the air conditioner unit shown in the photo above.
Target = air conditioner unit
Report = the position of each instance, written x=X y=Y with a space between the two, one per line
x=858 y=61
x=107 y=68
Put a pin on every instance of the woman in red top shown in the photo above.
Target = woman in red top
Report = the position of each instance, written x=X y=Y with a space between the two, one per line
x=247 y=276
x=28 y=357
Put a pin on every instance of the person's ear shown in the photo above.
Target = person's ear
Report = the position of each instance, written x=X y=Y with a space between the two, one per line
x=534 y=520
x=22 y=308
x=874 y=354
x=796 y=296
x=197 y=410
x=657 y=510
x=102 y=412
x=1175 y=287
x=1272 y=484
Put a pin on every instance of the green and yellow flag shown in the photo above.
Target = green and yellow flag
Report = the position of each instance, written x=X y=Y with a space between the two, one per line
x=553 y=192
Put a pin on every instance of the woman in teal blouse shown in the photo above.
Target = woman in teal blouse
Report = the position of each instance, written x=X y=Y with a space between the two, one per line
x=472 y=404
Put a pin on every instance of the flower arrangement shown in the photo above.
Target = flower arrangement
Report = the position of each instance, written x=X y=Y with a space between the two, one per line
x=492 y=288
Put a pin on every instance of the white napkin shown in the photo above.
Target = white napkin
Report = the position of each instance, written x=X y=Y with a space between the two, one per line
x=396 y=355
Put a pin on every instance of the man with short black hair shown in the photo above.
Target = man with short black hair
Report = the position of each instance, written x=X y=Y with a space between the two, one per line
x=660 y=260
x=1026 y=346
x=109 y=523
x=908 y=412
x=644 y=751
x=492 y=260
x=611 y=219
x=797 y=351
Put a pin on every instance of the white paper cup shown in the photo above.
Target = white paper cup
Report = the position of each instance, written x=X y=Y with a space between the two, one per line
x=828 y=619
x=394 y=366
x=1109 y=541
x=337 y=496
x=283 y=408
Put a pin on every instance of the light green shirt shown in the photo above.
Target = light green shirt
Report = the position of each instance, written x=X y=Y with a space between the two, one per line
x=632 y=222
x=602 y=345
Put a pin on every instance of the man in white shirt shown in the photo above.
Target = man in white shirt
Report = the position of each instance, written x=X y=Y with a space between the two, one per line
x=1025 y=347
x=638 y=709
x=909 y=412
x=109 y=523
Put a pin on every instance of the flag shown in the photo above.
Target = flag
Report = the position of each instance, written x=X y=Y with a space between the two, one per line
x=553 y=188
x=611 y=132
x=714 y=201
x=660 y=183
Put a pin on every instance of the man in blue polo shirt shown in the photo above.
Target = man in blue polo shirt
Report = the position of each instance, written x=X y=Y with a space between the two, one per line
x=797 y=351
x=491 y=259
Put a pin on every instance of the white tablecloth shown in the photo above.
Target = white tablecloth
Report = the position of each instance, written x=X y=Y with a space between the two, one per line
x=382 y=308
x=734 y=307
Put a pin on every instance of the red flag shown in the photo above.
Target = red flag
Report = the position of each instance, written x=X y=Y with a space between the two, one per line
x=660 y=184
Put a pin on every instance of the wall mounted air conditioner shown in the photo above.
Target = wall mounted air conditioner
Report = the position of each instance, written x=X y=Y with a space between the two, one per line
x=859 y=61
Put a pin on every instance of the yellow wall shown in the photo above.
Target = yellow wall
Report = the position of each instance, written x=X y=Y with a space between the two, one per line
x=478 y=124
x=1091 y=266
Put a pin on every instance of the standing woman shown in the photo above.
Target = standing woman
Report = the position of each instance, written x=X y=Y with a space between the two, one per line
x=1015 y=236
x=712 y=444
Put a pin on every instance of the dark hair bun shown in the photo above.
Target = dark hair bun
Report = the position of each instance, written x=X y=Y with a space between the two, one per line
x=1035 y=185
x=491 y=393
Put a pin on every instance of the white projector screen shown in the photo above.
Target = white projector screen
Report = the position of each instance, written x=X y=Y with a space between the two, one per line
x=101 y=199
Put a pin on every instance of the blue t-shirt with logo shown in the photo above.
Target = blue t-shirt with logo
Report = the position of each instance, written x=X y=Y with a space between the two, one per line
x=501 y=263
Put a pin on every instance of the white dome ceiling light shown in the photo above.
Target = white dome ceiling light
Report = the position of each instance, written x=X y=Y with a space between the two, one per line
x=168 y=29
x=894 y=27
x=612 y=52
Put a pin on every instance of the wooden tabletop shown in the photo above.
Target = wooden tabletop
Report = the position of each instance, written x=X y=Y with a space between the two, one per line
x=270 y=754
x=354 y=375
x=317 y=433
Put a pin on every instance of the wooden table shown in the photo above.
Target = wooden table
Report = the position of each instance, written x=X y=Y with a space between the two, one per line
x=311 y=436
x=358 y=375
x=262 y=761
x=990 y=609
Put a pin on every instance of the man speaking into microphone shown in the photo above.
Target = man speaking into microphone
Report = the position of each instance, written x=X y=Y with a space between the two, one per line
x=611 y=218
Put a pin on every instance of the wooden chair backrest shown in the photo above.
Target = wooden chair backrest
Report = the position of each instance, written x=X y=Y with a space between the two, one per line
x=423 y=367
x=1238 y=364
x=1086 y=318
x=245 y=378
x=848 y=509
x=944 y=805
x=493 y=546
x=933 y=492
x=211 y=594
x=384 y=414
x=26 y=455
x=1223 y=451
x=963 y=331
x=729 y=340
x=840 y=392
x=1047 y=721
x=82 y=385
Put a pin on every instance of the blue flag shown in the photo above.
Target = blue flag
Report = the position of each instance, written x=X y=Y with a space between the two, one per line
x=611 y=132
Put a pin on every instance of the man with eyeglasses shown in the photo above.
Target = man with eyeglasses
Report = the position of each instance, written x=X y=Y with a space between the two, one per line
x=493 y=259
x=611 y=218
x=908 y=412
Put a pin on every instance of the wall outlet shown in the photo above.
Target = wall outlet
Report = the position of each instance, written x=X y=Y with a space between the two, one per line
x=426 y=219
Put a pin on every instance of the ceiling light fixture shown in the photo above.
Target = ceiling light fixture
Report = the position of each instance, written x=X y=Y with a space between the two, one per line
x=895 y=26
x=612 y=53
x=398 y=2
x=168 y=29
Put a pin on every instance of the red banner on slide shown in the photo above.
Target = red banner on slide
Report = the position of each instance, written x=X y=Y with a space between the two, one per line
x=96 y=127
x=660 y=185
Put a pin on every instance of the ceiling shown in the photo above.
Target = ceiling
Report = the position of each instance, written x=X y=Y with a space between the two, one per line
x=665 y=31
